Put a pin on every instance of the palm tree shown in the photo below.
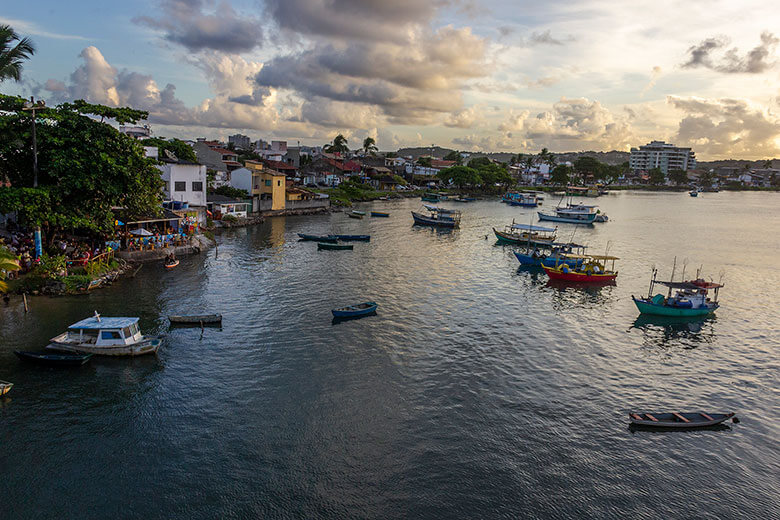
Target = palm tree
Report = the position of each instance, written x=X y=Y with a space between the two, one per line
x=768 y=164
x=8 y=262
x=11 y=57
x=339 y=145
x=369 y=146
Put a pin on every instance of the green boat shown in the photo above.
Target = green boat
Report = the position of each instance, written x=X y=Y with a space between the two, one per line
x=333 y=247
x=356 y=212
x=430 y=198
x=690 y=299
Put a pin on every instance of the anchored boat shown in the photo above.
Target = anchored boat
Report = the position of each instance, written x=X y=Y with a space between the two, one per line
x=592 y=270
x=106 y=337
x=533 y=256
x=526 y=234
x=678 y=420
x=690 y=299
x=351 y=238
x=334 y=247
x=379 y=214
x=439 y=217
x=569 y=217
x=54 y=359
x=353 y=311
x=317 y=238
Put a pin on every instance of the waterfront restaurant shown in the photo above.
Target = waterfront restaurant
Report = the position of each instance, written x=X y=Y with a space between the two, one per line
x=221 y=206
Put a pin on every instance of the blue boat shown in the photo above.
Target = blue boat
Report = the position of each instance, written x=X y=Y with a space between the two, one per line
x=583 y=218
x=54 y=360
x=536 y=257
x=353 y=311
x=379 y=214
x=439 y=217
x=317 y=238
x=350 y=238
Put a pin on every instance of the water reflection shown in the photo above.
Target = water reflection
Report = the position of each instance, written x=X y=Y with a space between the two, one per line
x=670 y=333
x=566 y=294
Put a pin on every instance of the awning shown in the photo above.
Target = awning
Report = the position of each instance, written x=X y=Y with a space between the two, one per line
x=529 y=227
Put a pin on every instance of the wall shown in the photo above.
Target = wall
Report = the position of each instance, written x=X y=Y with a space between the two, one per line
x=187 y=173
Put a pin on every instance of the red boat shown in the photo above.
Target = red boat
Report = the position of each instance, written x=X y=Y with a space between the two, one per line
x=592 y=269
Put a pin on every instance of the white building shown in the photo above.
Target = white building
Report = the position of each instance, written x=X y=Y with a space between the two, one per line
x=658 y=154
x=240 y=141
x=184 y=181
x=138 y=132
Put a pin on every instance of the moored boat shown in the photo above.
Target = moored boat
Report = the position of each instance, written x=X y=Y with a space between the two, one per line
x=196 y=319
x=690 y=299
x=317 y=238
x=352 y=311
x=379 y=214
x=354 y=215
x=526 y=234
x=585 y=219
x=525 y=200
x=535 y=256
x=334 y=247
x=351 y=238
x=171 y=264
x=694 y=193
x=677 y=420
x=361 y=213
x=428 y=197
x=54 y=359
x=438 y=217
x=106 y=337
x=5 y=387
x=592 y=270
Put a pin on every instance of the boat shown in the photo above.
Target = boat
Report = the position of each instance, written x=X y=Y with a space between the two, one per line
x=584 y=209
x=354 y=215
x=333 y=247
x=526 y=234
x=572 y=218
x=316 y=238
x=352 y=311
x=5 y=387
x=592 y=270
x=438 y=217
x=680 y=421
x=533 y=256
x=361 y=213
x=351 y=238
x=460 y=199
x=694 y=193
x=383 y=198
x=690 y=299
x=54 y=359
x=379 y=214
x=427 y=197
x=196 y=319
x=469 y=199
x=118 y=336
x=525 y=200
x=171 y=265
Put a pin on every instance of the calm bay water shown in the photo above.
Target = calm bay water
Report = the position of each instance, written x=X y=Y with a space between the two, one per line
x=479 y=390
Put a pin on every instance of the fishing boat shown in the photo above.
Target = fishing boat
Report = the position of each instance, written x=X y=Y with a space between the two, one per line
x=694 y=193
x=106 y=337
x=429 y=197
x=361 y=213
x=460 y=199
x=569 y=218
x=316 y=238
x=352 y=311
x=379 y=214
x=680 y=421
x=171 y=265
x=351 y=238
x=583 y=208
x=526 y=234
x=196 y=319
x=54 y=359
x=690 y=299
x=439 y=217
x=5 y=387
x=592 y=270
x=354 y=215
x=333 y=247
x=525 y=200
x=534 y=256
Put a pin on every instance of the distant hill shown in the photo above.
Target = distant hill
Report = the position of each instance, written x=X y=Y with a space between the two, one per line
x=613 y=157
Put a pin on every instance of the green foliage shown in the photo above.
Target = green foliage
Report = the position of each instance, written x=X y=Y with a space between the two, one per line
x=479 y=162
x=399 y=179
x=460 y=176
x=230 y=218
x=8 y=262
x=425 y=161
x=51 y=267
x=77 y=282
x=178 y=147
x=706 y=178
x=13 y=54
x=339 y=145
x=656 y=176
x=560 y=175
x=678 y=177
x=585 y=166
x=454 y=156
x=369 y=146
x=86 y=167
x=230 y=191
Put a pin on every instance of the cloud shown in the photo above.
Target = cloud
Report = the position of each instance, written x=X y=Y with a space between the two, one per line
x=654 y=75
x=730 y=62
x=23 y=28
x=185 y=23
x=483 y=143
x=723 y=128
x=545 y=38
x=465 y=118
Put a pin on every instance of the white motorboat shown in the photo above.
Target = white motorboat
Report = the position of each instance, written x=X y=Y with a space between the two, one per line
x=106 y=337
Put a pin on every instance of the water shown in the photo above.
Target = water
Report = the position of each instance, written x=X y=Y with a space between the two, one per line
x=478 y=391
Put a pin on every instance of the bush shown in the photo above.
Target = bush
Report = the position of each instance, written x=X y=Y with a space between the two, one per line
x=230 y=218
x=75 y=283
x=51 y=266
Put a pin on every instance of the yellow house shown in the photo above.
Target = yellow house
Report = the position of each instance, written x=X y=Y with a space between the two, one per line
x=268 y=184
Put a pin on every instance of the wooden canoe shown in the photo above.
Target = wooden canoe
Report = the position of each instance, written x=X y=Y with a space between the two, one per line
x=172 y=264
x=5 y=387
x=354 y=215
x=352 y=238
x=196 y=319
x=317 y=238
x=379 y=214
x=678 y=420
x=54 y=359
x=352 y=311
x=333 y=247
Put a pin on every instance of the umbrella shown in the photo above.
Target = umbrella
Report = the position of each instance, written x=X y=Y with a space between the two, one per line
x=141 y=232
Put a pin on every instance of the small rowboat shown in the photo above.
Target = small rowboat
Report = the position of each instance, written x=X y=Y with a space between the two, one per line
x=317 y=238
x=379 y=214
x=352 y=311
x=196 y=319
x=172 y=264
x=354 y=215
x=361 y=213
x=52 y=359
x=333 y=247
x=352 y=238
x=678 y=420
x=5 y=387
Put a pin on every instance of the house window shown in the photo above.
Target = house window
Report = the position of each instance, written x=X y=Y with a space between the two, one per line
x=197 y=186
x=267 y=183
x=180 y=186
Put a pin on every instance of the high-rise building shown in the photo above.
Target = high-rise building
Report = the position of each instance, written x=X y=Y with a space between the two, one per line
x=240 y=142
x=658 y=154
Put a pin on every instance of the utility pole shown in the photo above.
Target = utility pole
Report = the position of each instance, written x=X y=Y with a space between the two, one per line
x=32 y=106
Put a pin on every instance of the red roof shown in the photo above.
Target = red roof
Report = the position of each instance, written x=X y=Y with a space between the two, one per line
x=441 y=163
x=279 y=165
x=350 y=166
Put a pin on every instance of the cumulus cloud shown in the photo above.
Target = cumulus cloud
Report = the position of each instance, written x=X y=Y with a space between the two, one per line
x=545 y=38
x=654 y=75
x=723 y=128
x=485 y=143
x=466 y=118
x=754 y=61
x=185 y=22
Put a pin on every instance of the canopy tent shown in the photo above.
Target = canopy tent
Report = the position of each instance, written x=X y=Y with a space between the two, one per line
x=141 y=232
x=529 y=227
x=441 y=210
x=604 y=257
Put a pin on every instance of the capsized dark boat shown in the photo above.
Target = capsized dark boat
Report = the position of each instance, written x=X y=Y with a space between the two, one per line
x=334 y=247
x=316 y=238
x=196 y=319
x=53 y=359
x=682 y=421
x=352 y=311
x=352 y=238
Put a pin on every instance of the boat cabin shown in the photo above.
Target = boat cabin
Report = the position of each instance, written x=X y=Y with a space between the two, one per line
x=105 y=331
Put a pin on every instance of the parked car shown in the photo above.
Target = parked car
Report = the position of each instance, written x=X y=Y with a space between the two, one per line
x=311 y=185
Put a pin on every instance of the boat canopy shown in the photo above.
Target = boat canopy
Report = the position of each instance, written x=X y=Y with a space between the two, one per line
x=568 y=244
x=604 y=257
x=529 y=227
x=95 y=323
x=681 y=285
x=573 y=256
x=441 y=210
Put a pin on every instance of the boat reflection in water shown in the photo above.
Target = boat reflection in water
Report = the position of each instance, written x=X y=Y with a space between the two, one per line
x=567 y=294
x=674 y=333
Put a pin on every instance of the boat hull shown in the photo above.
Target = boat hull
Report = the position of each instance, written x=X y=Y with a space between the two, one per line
x=334 y=247
x=556 y=274
x=555 y=218
x=647 y=307
x=54 y=360
x=316 y=238
x=5 y=387
x=347 y=312
x=354 y=215
x=379 y=214
x=172 y=264
x=549 y=261
x=668 y=420
x=147 y=346
x=429 y=199
x=517 y=239
x=427 y=221
x=352 y=238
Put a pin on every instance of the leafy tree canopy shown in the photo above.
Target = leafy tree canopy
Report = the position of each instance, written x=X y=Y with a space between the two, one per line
x=560 y=175
x=460 y=176
x=230 y=191
x=179 y=148
x=339 y=145
x=678 y=177
x=479 y=162
x=454 y=156
x=656 y=176
x=14 y=50
x=589 y=166
x=425 y=161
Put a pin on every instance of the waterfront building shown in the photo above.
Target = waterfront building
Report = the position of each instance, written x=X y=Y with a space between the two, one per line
x=136 y=131
x=658 y=154
x=184 y=181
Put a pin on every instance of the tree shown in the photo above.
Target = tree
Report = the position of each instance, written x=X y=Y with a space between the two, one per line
x=479 y=162
x=178 y=147
x=12 y=56
x=8 y=263
x=460 y=176
x=529 y=163
x=560 y=175
x=425 y=161
x=86 y=167
x=454 y=155
x=230 y=191
x=656 y=176
x=768 y=164
x=585 y=166
x=339 y=145
x=706 y=178
x=369 y=146
x=679 y=177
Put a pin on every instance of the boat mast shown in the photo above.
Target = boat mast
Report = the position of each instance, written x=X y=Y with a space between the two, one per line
x=652 y=283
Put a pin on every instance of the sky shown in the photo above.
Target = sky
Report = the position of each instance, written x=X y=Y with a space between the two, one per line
x=474 y=75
